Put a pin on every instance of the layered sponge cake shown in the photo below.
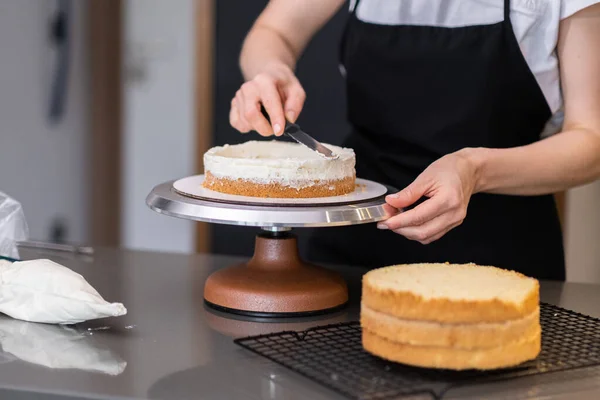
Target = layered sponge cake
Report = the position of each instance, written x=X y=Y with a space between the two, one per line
x=278 y=169
x=451 y=316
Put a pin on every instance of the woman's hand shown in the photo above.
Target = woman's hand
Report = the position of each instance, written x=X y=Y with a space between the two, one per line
x=448 y=183
x=278 y=89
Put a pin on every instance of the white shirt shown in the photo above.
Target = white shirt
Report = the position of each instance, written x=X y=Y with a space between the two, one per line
x=535 y=23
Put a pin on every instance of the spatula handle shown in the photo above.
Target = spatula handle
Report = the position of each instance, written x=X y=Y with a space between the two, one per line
x=266 y=115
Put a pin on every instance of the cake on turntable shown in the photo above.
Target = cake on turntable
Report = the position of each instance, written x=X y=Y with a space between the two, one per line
x=278 y=169
x=275 y=282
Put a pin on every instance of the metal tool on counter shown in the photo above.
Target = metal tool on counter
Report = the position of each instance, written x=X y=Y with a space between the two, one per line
x=294 y=131
x=57 y=247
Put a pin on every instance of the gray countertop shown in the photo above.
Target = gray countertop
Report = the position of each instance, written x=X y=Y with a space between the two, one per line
x=170 y=346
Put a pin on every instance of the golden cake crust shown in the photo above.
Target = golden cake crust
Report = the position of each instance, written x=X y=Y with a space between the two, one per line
x=275 y=190
x=411 y=306
x=508 y=355
x=463 y=336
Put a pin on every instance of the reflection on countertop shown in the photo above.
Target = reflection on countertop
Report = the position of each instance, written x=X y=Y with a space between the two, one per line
x=57 y=347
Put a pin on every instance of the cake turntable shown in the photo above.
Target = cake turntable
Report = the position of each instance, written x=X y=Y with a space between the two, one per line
x=275 y=282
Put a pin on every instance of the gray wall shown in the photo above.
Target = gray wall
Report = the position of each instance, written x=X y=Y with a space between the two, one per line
x=324 y=112
x=158 y=118
x=41 y=165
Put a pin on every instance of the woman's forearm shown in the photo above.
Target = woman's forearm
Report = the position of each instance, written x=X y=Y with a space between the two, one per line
x=565 y=160
x=264 y=47
x=281 y=33
x=570 y=158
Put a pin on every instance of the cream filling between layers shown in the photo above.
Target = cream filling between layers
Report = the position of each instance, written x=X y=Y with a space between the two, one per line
x=284 y=163
x=457 y=335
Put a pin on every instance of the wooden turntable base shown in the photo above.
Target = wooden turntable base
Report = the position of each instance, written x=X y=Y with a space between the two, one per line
x=276 y=283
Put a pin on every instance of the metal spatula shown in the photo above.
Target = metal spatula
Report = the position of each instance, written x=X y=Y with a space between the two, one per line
x=294 y=131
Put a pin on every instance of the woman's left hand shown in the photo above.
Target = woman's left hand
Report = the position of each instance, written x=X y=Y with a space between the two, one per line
x=448 y=184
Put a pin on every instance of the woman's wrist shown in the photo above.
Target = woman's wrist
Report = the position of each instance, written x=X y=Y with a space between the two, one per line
x=476 y=158
x=279 y=67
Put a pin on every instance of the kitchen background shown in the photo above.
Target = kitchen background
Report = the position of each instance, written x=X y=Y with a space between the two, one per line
x=167 y=52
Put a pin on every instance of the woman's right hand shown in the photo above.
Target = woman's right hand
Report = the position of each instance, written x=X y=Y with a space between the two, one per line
x=278 y=90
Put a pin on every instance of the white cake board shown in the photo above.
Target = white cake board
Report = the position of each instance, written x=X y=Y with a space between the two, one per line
x=166 y=200
x=365 y=190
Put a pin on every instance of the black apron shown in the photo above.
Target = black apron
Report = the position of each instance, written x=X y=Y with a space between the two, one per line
x=416 y=93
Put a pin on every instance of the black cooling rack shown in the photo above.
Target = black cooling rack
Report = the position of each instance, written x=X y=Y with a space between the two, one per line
x=333 y=356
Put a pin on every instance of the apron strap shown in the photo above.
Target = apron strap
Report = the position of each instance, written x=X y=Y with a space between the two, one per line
x=352 y=15
x=342 y=44
x=353 y=11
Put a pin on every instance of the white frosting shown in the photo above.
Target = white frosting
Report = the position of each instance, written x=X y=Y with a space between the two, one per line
x=287 y=163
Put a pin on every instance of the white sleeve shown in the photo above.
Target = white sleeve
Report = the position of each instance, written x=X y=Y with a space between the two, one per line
x=570 y=7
